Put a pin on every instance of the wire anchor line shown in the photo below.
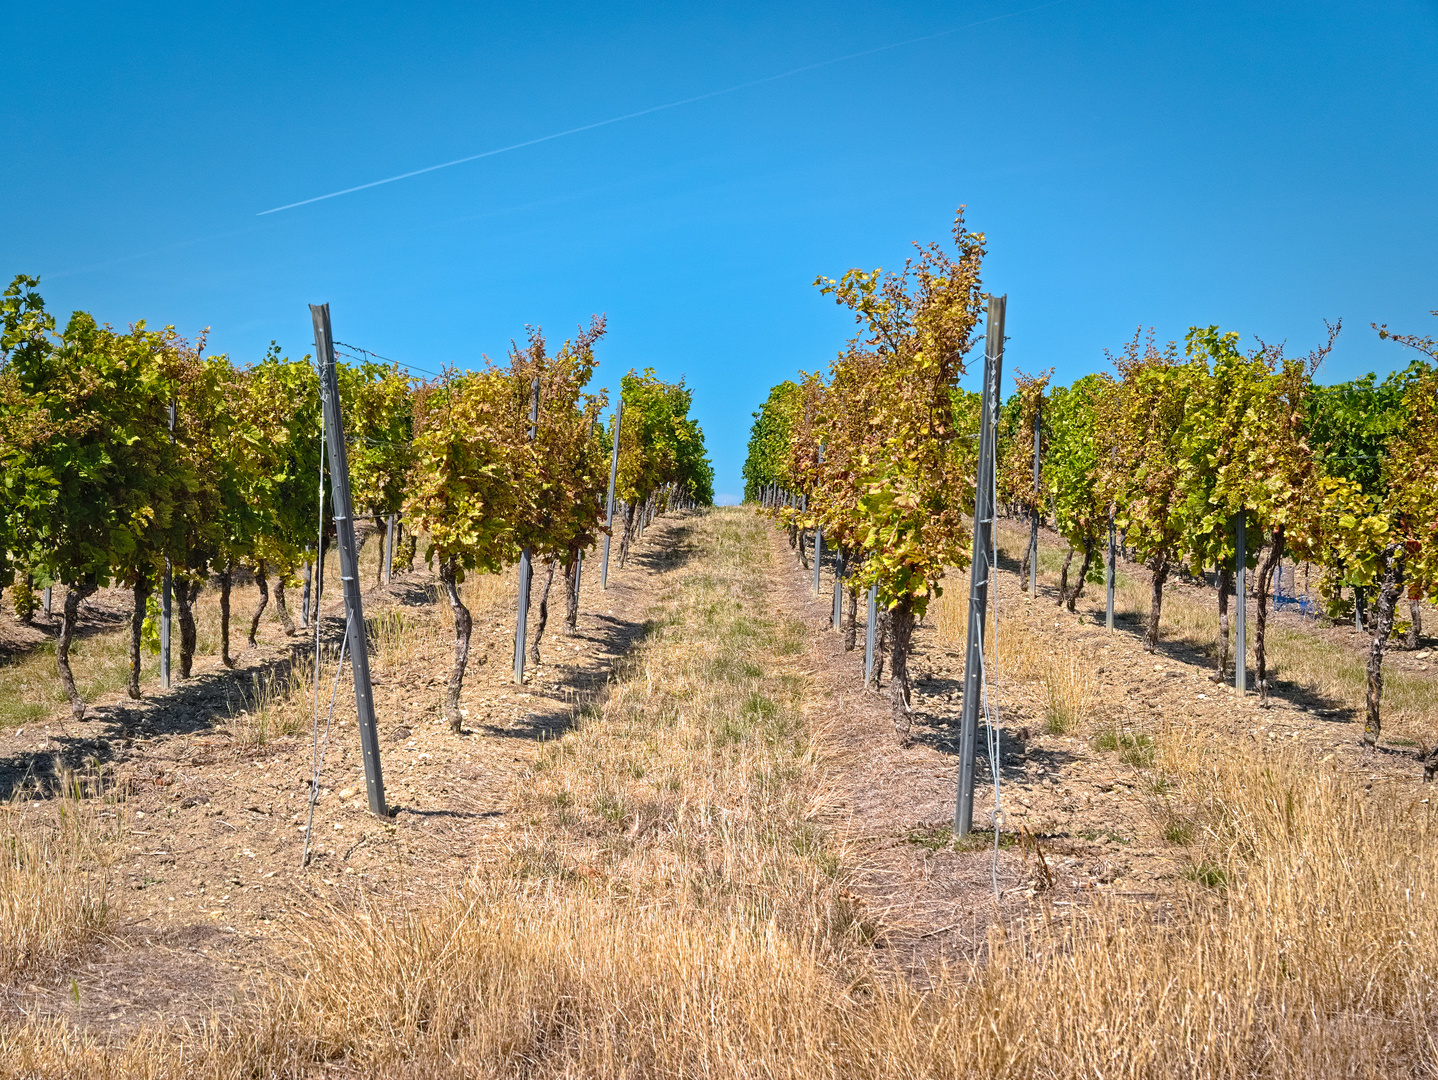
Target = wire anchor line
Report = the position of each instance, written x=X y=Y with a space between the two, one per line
x=319 y=748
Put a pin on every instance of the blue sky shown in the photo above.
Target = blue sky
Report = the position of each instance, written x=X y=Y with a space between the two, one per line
x=1259 y=166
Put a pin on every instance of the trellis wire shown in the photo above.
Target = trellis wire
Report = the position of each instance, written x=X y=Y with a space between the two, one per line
x=319 y=574
x=318 y=748
x=991 y=712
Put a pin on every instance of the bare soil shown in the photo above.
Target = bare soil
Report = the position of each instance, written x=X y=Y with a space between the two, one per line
x=208 y=874
x=209 y=879
x=1077 y=822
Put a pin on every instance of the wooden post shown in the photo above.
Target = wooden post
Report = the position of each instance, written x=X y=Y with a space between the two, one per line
x=1112 y=569
x=349 y=561
x=1240 y=625
x=984 y=507
x=526 y=557
x=871 y=633
x=1034 y=531
x=609 y=511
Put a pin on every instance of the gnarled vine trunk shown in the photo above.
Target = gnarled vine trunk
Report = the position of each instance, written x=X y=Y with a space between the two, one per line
x=381 y=536
x=319 y=578
x=74 y=594
x=1390 y=587
x=901 y=630
x=141 y=593
x=628 y=533
x=1225 y=588
x=463 y=624
x=1073 y=596
x=282 y=609
x=851 y=619
x=227 y=578
x=185 y=593
x=1266 y=567
x=881 y=641
x=264 y=586
x=1415 y=625
x=539 y=626
x=572 y=566
x=1155 y=604
x=1064 y=576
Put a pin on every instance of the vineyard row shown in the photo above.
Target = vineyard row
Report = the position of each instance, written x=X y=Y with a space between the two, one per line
x=133 y=459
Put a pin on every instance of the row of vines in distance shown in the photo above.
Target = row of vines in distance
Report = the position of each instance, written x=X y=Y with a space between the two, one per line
x=122 y=452
x=1169 y=445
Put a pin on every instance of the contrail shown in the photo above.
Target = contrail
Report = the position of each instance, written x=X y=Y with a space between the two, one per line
x=656 y=108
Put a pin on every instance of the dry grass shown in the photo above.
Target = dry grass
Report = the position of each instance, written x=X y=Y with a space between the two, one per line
x=670 y=907
x=30 y=687
x=277 y=707
x=1327 y=669
x=1011 y=649
x=1305 y=946
x=1297 y=657
x=54 y=885
x=950 y=612
x=489 y=593
x=1068 y=691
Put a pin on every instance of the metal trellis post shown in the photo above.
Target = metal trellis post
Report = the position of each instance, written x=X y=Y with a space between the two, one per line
x=818 y=538
x=1240 y=628
x=609 y=510
x=871 y=633
x=984 y=499
x=526 y=556
x=1111 y=570
x=388 y=547
x=166 y=588
x=349 y=561
x=1034 y=531
x=838 y=588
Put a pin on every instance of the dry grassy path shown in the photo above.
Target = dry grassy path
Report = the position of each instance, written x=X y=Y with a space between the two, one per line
x=213 y=781
x=693 y=848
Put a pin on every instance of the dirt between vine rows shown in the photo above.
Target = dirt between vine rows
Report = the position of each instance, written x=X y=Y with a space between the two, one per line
x=1079 y=823
x=208 y=879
